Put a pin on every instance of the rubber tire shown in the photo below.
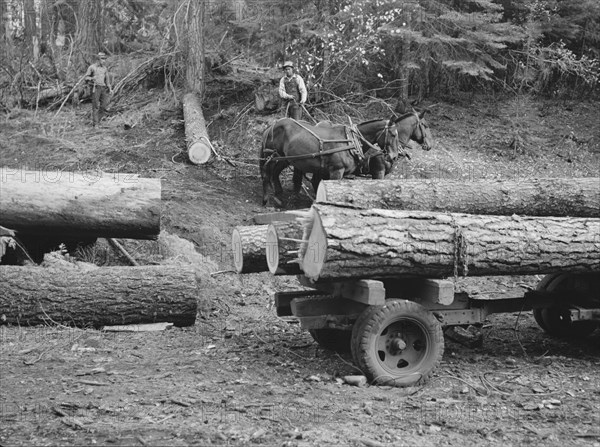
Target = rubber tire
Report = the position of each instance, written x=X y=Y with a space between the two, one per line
x=543 y=286
x=555 y=321
x=374 y=321
x=337 y=340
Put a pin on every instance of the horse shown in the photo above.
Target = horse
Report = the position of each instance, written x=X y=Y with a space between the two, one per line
x=334 y=151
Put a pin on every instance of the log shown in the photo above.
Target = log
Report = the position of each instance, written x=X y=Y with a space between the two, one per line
x=282 y=244
x=248 y=246
x=252 y=248
x=575 y=197
x=80 y=204
x=98 y=296
x=196 y=135
x=378 y=244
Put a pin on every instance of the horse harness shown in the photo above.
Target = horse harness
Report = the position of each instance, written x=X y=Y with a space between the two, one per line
x=353 y=136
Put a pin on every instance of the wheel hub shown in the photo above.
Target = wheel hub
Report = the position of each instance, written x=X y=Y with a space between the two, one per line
x=396 y=344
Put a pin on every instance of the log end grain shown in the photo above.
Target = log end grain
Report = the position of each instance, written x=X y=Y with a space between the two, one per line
x=199 y=152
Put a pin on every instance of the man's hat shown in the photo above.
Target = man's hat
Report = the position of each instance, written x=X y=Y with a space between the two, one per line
x=288 y=64
x=102 y=55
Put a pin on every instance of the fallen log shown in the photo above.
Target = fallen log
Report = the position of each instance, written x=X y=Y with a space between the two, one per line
x=196 y=135
x=98 y=296
x=575 y=197
x=82 y=205
x=375 y=243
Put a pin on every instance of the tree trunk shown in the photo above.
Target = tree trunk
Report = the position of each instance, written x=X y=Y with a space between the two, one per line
x=98 y=296
x=350 y=243
x=196 y=135
x=90 y=32
x=194 y=67
x=78 y=204
x=577 y=197
x=31 y=34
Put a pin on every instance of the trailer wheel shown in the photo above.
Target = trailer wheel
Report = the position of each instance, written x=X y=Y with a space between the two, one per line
x=556 y=320
x=399 y=344
x=333 y=339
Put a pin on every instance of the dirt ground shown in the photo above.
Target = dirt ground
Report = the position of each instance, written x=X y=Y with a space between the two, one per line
x=243 y=376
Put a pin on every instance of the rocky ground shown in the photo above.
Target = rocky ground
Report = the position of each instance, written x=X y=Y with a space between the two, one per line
x=241 y=375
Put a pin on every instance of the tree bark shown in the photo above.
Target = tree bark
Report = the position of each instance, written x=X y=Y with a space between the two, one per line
x=90 y=31
x=248 y=246
x=98 y=296
x=196 y=135
x=31 y=35
x=78 y=204
x=194 y=67
x=351 y=243
x=576 y=197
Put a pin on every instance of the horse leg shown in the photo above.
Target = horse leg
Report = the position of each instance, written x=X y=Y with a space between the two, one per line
x=266 y=172
x=378 y=175
x=277 y=169
x=336 y=174
x=297 y=180
x=316 y=179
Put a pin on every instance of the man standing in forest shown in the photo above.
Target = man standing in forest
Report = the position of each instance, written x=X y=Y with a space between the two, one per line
x=292 y=91
x=97 y=75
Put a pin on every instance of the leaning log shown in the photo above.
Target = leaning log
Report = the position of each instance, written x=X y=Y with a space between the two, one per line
x=98 y=296
x=196 y=135
x=98 y=204
x=375 y=243
x=575 y=197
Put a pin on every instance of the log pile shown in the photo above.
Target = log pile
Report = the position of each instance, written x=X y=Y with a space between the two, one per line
x=47 y=208
x=512 y=228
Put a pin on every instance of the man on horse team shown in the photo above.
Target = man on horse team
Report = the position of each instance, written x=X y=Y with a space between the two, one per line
x=292 y=91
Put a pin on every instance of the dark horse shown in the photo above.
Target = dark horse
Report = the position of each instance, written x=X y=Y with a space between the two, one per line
x=334 y=151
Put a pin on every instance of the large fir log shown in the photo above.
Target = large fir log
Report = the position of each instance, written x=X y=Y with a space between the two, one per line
x=575 y=197
x=376 y=243
x=97 y=204
x=98 y=296
x=196 y=135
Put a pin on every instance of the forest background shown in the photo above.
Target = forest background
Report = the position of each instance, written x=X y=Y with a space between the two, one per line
x=403 y=49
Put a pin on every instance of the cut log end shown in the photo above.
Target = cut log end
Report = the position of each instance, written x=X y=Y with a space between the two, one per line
x=199 y=153
x=321 y=193
x=272 y=248
x=313 y=253
x=236 y=248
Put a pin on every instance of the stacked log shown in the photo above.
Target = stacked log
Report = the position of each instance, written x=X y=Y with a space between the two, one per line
x=45 y=208
x=352 y=243
x=505 y=228
x=536 y=197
